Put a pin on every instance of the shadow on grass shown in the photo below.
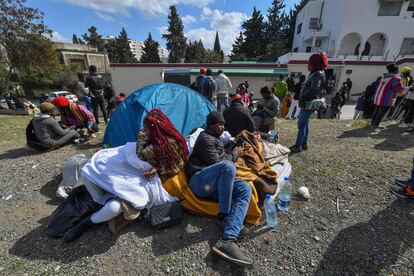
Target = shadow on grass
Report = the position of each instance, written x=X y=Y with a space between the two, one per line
x=19 y=152
x=366 y=248
x=395 y=139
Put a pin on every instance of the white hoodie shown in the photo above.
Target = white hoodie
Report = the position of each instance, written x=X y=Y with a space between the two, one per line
x=223 y=85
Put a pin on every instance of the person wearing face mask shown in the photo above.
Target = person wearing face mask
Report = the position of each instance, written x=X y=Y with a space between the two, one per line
x=211 y=173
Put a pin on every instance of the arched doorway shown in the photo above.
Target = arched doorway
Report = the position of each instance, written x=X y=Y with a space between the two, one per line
x=378 y=42
x=349 y=44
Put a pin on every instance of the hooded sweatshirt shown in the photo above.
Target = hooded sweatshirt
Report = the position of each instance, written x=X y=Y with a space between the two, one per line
x=223 y=86
x=47 y=129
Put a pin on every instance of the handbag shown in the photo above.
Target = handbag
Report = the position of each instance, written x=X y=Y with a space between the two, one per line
x=166 y=215
x=315 y=105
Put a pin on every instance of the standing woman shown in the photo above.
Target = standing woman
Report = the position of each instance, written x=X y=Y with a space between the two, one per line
x=317 y=65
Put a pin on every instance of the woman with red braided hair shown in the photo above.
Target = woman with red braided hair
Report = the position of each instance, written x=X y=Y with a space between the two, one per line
x=160 y=144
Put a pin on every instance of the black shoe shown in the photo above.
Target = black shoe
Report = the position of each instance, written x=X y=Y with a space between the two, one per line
x=229 y=250
x=77 y=230
x=305 y=147
x=294 y=149
x=410 y=130
x=402 y=192
x=402 y=183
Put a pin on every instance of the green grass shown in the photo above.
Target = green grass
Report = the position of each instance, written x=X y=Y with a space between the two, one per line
x=12 y=130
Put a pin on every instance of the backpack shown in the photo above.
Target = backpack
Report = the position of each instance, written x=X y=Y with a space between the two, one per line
x=31 y=138
x=208 y=89
x=96 y=86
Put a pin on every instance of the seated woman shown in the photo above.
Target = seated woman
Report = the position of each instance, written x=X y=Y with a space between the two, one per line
x=48 y=131
x=76 y=115
x=123 y=179
x=267 y=110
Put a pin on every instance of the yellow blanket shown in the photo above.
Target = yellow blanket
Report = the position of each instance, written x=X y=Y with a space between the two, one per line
x=178 y=186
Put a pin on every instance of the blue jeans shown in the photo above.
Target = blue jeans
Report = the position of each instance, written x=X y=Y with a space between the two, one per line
x=221 y=101
x=303 y=127
x=218 y=181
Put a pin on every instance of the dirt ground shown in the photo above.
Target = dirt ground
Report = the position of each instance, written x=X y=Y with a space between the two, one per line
x=351 y=225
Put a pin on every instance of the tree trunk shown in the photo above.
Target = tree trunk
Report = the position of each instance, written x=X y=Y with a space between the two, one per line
x=7 y=81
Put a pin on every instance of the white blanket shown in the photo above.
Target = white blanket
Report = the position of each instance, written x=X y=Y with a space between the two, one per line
x=119 y=172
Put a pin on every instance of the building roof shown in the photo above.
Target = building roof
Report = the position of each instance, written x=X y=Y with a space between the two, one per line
x=247 y=72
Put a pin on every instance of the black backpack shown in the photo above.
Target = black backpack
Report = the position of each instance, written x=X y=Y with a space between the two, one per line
x=31 y=138
x=208 y=89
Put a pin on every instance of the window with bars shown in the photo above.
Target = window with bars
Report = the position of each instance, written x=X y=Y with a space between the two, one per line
x=313 y=23
x=407 y=47
x=390 y=8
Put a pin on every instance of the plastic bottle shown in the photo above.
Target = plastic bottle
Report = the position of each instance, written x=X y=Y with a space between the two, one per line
x=285 y=193
x=270 y=209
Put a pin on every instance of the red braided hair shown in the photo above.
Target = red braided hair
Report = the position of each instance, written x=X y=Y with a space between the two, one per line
x=160 y=129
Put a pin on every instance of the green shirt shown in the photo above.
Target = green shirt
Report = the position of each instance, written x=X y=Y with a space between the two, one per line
x=281 y=89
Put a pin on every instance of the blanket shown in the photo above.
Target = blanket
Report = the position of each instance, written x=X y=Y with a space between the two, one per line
x=119 y=172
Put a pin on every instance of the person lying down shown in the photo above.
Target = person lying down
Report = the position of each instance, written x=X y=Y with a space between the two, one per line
x=126 y=179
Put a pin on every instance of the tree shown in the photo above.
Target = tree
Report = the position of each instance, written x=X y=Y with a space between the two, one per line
x=150 y=51
x=254 y=45
x=292 y=20
x=217 y=47
x=94 y=39
x=75 y=39
x=274 y=22
x=124 y=50
x=176 y=41
x=195 y=52
x=237 y=49
x=19 y=24
x=111 y=47
x=213 y=57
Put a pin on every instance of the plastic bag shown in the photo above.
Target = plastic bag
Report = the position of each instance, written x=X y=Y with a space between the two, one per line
x=71 y=174
x=78 y=205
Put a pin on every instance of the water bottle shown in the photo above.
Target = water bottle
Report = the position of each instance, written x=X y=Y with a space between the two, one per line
x=284 y=194
x=270 y=209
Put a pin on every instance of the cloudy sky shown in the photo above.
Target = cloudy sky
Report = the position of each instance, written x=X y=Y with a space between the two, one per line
x=201 y=18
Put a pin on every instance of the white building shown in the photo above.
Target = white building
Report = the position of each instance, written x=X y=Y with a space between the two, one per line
x=137 y=50
x=359 y=36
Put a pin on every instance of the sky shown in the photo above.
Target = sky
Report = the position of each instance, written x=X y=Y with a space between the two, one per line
x=201 y=19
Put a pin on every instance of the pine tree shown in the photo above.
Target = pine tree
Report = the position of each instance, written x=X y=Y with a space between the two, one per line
x=150 y=51
x=195 y=52
x=254 y=45
x=124 y=50
x=292 y=20
x=176 y=41
x=94 y=39
x=111 y=47
x=75 y=39
x=217 y=47
x=237 y=49
x=275 y=22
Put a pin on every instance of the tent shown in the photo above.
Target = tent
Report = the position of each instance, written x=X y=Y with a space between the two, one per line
x=186 y=109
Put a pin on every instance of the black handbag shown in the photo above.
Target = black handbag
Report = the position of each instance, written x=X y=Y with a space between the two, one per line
x=166 y=215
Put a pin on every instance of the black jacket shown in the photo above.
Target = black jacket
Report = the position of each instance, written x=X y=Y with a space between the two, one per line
x=237 y=119
x=297 y=89
x=95 y=84
x=312 y=88
x=208 y=150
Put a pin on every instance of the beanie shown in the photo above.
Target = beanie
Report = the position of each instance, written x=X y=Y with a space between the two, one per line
x=47 y=107
x=214 y=117
x=61 y=102
x=203 y=70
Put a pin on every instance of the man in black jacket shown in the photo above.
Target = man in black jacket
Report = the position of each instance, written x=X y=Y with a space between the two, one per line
x=237 y=117
x=95 y=84
x=211 y=173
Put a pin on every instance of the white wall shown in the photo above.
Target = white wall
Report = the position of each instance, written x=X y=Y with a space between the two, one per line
x=128 y=79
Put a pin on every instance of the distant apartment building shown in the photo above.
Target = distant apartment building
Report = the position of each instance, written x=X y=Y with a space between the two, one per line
x=138 y=46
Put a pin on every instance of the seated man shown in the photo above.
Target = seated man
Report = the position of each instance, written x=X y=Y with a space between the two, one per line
x=267 y=110
x=48 y=131
x=237 y=117
x=211 y=173
x=76 y=115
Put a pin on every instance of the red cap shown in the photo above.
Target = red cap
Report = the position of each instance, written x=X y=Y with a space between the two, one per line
x=203 y=70
x=61 y=102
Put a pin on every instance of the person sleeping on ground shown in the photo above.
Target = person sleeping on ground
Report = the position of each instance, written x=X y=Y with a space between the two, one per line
x=126 y=179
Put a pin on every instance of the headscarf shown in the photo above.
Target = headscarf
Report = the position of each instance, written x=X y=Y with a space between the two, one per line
x=60 y=102
x=318 y=61
x=160 y=129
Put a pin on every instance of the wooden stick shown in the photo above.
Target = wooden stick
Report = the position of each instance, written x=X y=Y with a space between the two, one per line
x=337 y=205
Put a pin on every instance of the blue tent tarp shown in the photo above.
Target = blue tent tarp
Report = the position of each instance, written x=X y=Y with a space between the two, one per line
x=185 y=108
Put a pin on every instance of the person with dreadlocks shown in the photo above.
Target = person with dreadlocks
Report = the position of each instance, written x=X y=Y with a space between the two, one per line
x=160 y=144
x=124 y=179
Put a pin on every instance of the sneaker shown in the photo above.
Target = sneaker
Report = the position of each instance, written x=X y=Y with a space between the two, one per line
x=402 y=183
x=410 y=130
x=402 y=192
x=305 y=147
x=229 y=250
x=403 y=125
x=294 y=149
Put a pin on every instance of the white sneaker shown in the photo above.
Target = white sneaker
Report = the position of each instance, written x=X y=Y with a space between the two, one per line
x=60 y=192
x=403 y=125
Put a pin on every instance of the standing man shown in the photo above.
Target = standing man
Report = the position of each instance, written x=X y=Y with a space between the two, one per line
x=281 y=88
x=237 y=117
x=390 y=86
x=199 y=79
x=212 y=174
x=209 y=87
x=295 y=103
x=349 y=87
x=95 y=84
x=223 y=87
x=109 y=95
x=82 y=93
